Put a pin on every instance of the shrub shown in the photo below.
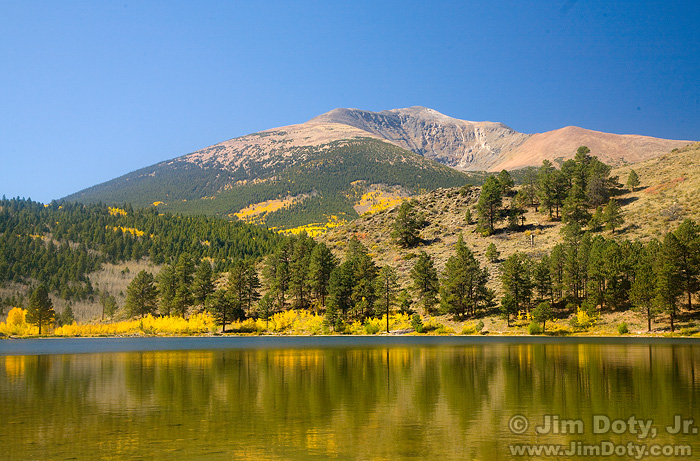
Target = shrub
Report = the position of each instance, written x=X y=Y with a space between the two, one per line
x=534 y=328
x=622 y=328
x=583 y=320
x=417 y=323
x=480 y=326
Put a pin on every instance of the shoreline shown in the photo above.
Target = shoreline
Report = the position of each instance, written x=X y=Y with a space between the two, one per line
x=116 y=344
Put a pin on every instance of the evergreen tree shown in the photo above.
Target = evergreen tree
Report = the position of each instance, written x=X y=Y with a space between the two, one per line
x=542 y=313
x=468 y=216
x=202 y=284
x=321 y=266
x=542 y=279
x=141 y=295
x=40 y=308
x=223 y=308
x=340 y=288
x=516 y=279
x=184 y=270
x=426 y=282
x=299 y=282
x=167 y=289
x=266 y=309
x=489 y=205
x=669 y=284
x=506 y=182
x=492 y=253
x=575 y=209
x=643 y=287
x=406 y=226
x=612 y=216
x=688 y=236
x=463 y=288
x=508 y=307
x=632 y=180
x=530 y=186
x=387 y=287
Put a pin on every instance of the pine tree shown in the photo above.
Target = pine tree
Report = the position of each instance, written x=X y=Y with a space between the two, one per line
x=643 y=287
x=688 y=236
x=387 y=287
x=40 y=308
x=506 y=182
x=167 y=289
x=516 y=279
x=141 y=295
x=406 y=227
x=425 y=281
x=321 y=266
x=489 y=205
x=669 y=284
x=542 y=313
x=632 y=180
x=492 y=253
x=202 y=284
x=612 y=216
x=463 y=289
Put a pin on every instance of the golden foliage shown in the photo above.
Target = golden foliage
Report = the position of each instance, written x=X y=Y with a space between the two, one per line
x=114 y=211
x=315 y=229
x=378 y=200
x=16 y=324
x=148 y=325
x=130 y=230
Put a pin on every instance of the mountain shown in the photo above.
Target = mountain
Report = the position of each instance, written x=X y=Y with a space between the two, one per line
x=561 y=144
x=464 y=145
x=492 y=146
x=346 y=161
x=286 y=177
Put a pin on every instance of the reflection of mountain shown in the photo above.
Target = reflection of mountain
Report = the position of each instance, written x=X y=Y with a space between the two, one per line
x=448 y=402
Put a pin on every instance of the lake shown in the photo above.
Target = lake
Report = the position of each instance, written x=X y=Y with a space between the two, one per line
x=348 y=397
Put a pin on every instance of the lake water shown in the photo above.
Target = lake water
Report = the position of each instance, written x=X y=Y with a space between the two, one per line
x=348 y=398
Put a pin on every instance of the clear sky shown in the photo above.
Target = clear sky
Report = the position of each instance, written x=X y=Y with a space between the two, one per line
x=91 y=90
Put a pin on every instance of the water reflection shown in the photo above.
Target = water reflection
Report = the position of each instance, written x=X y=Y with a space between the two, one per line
x=434 y=402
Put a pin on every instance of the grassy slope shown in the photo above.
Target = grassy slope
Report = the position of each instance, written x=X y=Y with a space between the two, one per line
x=444 y=210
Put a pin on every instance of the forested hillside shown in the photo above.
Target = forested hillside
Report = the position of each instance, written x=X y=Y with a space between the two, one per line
x=318 y=180
x=59 y=245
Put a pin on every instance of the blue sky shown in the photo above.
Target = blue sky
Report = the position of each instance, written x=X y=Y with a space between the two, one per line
x=93 y=90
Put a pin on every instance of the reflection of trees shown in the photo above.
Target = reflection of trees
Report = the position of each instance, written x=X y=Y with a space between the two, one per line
x=363 y=402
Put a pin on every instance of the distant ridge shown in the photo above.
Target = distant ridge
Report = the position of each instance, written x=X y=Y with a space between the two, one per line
x=319 y=171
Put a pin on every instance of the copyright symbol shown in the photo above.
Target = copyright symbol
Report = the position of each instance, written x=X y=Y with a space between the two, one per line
x=518 y=424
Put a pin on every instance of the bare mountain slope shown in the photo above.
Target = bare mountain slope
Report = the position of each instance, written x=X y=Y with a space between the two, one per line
x=457 y=143
x=610 y=148
x=492 y=146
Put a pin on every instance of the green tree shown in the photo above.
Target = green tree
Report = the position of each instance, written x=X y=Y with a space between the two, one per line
x=489 y=204
x=575 y=209
x=505 y=180
x=643 y=287
x=468 y=216
x=387 y=287
x=612 y=216
x=203 y=283
x=542 y=313
x=321 y=266
x=40 y=308
x=516 y=279
x=542 y=279
x=266 y=308
x=669 y=284
x=508 y=307
x=184 y=271
x=167 y=289
x=425 y=281
x=141 y=295
x=463 y=289
x=632 y=180
x=109 y=304
x=224 y=308
x=492 y=253
x=688 y=236
x=405 y=229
